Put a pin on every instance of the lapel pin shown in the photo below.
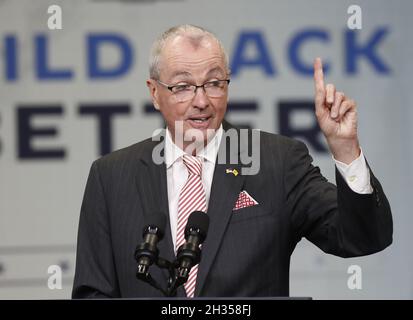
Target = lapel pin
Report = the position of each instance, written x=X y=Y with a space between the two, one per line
x=233 y=171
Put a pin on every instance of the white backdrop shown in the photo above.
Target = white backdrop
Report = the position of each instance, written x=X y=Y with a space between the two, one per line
x=40 y=195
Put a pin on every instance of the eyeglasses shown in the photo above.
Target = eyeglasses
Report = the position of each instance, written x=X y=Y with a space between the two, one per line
x=185 y=92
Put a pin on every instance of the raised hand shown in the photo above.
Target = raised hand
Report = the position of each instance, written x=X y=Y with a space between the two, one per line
x=337 y=117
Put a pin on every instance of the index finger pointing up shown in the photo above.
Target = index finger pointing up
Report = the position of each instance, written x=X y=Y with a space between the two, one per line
x=318 y=75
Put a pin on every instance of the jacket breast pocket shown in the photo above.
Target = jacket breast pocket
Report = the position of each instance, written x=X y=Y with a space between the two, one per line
x=252 y=212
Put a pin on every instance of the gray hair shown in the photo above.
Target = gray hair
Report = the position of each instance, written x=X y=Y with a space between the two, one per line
x=194 y=33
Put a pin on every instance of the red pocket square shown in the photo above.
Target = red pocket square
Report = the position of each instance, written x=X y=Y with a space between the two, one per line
x=244 y=200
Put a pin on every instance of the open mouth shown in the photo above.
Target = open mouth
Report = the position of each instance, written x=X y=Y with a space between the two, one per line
x=199 y=121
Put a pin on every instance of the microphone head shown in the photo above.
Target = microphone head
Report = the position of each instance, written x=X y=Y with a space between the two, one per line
x=199 y=221
x=156 y=225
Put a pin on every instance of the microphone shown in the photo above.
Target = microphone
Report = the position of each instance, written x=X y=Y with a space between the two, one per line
x=189 y=254
x=147 y=252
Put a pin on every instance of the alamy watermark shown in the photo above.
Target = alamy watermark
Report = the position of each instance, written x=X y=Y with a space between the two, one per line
x=238 y=146
x=54 y=22
x=54 y=281
x=354 y=281
x=354 y=21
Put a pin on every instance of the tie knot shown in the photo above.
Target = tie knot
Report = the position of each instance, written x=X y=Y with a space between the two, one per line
x=193 y=164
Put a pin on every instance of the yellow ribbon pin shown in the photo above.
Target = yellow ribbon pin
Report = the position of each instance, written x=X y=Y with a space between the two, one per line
x=233 y=171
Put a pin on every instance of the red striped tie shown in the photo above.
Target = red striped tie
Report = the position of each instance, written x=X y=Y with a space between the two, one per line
x=192 y=198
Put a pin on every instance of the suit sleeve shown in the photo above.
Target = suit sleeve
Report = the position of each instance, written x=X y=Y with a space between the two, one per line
x=336 y=219
x=95 y=275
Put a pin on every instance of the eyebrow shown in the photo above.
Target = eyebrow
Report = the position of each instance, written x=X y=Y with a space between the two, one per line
x=189 y=75
x=181 y=73
x=216 y=69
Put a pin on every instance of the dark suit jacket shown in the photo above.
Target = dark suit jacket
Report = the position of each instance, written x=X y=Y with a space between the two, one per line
x=247 y=252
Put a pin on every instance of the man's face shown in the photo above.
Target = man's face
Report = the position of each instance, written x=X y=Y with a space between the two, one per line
x=182 y=62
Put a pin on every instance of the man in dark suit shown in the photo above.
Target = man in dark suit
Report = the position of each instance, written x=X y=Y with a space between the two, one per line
x=256 y=218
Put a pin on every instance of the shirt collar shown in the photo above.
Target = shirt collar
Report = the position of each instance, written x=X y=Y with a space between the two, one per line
x=209 y=153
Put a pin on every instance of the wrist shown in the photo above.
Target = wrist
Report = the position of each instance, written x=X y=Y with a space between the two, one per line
x=345 y=151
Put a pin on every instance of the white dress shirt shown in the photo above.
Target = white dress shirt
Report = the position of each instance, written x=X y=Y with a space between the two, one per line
x=355 y=174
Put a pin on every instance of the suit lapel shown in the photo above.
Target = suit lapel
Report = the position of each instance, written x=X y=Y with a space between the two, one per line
x=225 y=189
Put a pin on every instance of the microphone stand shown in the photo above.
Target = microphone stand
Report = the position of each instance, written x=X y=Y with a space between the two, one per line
x=165 y=264
x=144 y=275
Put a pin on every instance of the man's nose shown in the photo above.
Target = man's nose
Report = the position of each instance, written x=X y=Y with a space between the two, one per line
x=200 y=99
